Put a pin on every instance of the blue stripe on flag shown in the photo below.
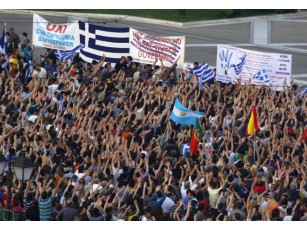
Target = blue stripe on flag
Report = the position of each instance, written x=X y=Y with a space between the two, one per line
x=92 y=29
x=108 y=39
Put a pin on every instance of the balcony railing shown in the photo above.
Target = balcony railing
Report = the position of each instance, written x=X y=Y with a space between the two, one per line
x=9 y=215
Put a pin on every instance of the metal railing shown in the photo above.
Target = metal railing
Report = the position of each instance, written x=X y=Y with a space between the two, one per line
x=10 y=215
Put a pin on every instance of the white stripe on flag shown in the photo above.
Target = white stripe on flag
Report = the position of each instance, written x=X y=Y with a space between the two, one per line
x=180 y=113
x=110 y=44
x=111 y=34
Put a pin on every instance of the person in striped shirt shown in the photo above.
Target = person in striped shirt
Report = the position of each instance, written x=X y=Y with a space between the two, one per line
x=45 y=201
x=45 y=206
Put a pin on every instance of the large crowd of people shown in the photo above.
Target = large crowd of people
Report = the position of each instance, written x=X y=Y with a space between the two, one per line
x=105 y=149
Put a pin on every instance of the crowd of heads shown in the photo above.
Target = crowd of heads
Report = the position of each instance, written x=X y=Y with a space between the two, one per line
x=104 y=146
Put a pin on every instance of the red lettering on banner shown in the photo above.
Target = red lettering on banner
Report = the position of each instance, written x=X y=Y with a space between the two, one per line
x=153 y=56
x=50 y=27
x=57 y=29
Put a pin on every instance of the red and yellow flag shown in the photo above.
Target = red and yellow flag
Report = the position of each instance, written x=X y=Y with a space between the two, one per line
x=253 y=123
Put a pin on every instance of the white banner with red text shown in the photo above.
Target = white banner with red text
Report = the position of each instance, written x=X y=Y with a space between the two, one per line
x=145 y=48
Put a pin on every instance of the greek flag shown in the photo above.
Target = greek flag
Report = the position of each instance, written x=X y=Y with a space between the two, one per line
x=185 y=149
x=3 y=42
x=262 y=76
x=184 y=116
x=302 y=93
x=61 y=105
x=67 y=54
x=29 y=71
x=99 y=40
x=238 y=68
x=204 y=74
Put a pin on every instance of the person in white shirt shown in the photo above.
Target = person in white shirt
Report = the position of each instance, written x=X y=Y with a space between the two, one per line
x=40 y=72
x=288 y=217
x=167 y=204
x=51 y=90
x=186 y=185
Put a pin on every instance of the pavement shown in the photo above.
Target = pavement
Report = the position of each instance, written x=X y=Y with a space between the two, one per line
x=285 y=33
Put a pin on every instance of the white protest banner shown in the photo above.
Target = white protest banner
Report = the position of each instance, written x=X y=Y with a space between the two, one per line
x=277 y=66
x=145 y=48
x=55 y=36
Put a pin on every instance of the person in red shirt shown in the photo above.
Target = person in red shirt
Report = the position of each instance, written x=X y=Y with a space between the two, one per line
x=260 y=186
x=205 y=204
x=17 y=207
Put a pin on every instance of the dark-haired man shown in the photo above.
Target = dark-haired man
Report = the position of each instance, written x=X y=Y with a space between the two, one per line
x=122 y=64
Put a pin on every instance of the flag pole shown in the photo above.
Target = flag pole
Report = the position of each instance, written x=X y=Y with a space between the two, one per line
x=255 y=147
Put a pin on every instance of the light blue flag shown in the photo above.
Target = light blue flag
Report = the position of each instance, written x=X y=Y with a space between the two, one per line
x=262 y=76
x=184 y=116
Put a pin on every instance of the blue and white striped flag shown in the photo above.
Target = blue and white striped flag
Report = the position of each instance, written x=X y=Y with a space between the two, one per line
x=204 y=74
x=185 y=149
x=262 y=76
x=61 y=105
x=99 y=40
x=302 y=93
x=238 y=68
x=67 y=54
x=3 y=42
x=29 y=71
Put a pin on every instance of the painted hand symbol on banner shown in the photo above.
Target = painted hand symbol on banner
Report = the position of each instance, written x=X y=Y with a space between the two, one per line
x=225 y=60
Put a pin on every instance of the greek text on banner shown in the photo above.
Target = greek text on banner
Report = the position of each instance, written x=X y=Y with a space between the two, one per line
x=278 y=67
x=55 y=36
